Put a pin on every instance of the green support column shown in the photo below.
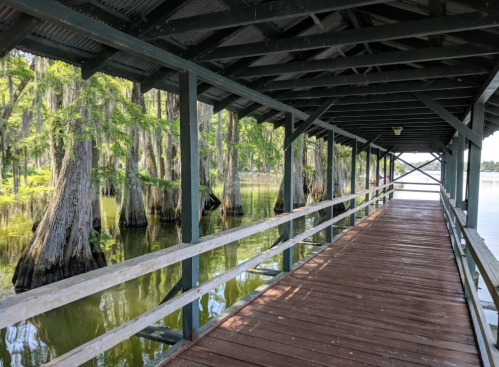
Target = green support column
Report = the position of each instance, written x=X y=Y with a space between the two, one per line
x=473 y=179
x=474 y=162
x=447 y=172
x=459 y=151
x=190 y=195
x=353 y=180
x=330 y=181
x=453 y=169
x=384 y=178
x=288 y=190
x=392 y=175
x=377 y=179
x=368 y=170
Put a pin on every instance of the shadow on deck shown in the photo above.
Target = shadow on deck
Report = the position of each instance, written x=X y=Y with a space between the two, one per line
x=387 y=293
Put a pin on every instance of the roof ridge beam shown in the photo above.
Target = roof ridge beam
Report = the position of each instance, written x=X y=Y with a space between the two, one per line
x=450 y=118
x=417 y=28
x=264 y=12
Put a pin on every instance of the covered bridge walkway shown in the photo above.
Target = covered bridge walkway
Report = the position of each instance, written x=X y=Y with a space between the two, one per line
x=384 y=294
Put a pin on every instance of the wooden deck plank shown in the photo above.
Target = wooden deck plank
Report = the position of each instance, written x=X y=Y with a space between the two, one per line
x=387 y=293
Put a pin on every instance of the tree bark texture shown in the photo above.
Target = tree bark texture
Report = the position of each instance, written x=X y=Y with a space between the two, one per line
x=60 y=247
x=96 y=213
x=231 y=200
x=133 y=213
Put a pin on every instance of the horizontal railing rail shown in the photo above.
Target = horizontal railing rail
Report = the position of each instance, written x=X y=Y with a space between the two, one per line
x=488 y=267
x=25 y=305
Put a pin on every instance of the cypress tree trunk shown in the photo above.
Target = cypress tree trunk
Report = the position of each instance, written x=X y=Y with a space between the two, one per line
x=231 y=200
x=133 y=213
x=159 y=138
x=154 y=199
x=218 y=143
x=298 y=195
x=60 y=247
x=96 y=222
x=318 y=188
x=56 y=141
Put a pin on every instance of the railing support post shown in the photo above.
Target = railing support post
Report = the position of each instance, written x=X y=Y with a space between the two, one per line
x=384 y=178
x=368 y=171
x=330 y=181
x=377 y=179
x=288 y=190
x=353 y=180
x=190 y=195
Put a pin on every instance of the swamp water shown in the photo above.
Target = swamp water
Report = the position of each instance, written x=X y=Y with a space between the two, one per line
x=40 y=339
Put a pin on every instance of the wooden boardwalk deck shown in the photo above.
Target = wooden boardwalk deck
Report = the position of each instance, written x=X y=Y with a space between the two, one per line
x=387 y=293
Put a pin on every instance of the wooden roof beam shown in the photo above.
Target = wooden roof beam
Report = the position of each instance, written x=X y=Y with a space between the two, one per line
x=436 y=85
x=450 y=118
x=417 y=28
x=16 y=31
x=385 y=77
x=386 y=58
x=264 y=12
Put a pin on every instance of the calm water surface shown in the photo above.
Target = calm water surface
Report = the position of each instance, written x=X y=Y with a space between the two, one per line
x=44 y=337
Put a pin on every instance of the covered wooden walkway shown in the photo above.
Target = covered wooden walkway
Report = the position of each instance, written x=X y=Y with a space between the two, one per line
x=388 y=293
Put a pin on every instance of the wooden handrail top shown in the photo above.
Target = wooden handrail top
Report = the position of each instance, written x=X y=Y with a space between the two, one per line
x=22 y=306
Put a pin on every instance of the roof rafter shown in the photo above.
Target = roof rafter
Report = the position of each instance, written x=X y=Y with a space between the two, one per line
x=386 y=58
x=259 y=13
x=423 y=27
x=16 y=31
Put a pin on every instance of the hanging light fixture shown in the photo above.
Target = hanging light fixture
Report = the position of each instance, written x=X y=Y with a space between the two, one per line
x=397 y=130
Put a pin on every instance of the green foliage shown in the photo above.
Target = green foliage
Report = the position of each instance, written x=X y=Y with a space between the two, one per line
x=490 y=166
x=101 y=241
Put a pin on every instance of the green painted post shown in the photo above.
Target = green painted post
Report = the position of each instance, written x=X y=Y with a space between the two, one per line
x=474 y=161
x=459 y=149
x=368 y=170
x=377 y=179
x=190 y=195
x=330 y=181
x=453 y=169
x=353 y=180
x=384 y=178
x=288 y=190
x=473 y=179
x=392 y=175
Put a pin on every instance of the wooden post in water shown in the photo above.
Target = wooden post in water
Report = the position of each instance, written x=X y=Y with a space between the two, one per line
x=330 y=181
x=353 y=181
x=288 y=190
x=377 y=178
x=190 y=195
x=368 y=170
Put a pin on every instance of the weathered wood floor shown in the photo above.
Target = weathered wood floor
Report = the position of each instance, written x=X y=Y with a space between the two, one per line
x=387 y=293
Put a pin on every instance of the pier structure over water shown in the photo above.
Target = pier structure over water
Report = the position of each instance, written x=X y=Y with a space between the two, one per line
x=385 y=77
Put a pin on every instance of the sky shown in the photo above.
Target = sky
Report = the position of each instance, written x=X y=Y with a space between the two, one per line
x=490 y=151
